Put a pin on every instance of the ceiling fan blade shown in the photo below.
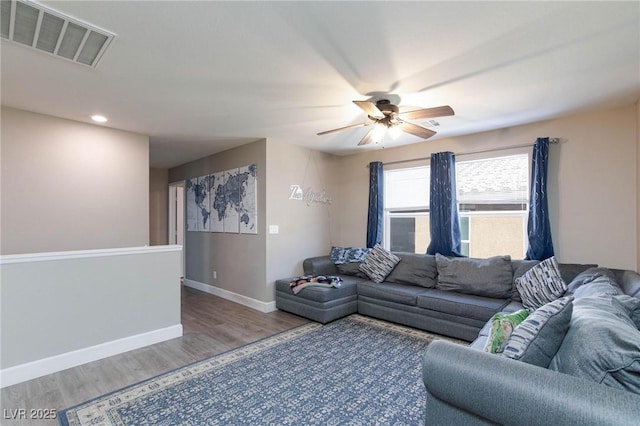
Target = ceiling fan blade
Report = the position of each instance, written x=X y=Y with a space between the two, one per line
x=343 y=128
x=368 y=138
x=416 y=130
x=370 y=108
x=420 y=114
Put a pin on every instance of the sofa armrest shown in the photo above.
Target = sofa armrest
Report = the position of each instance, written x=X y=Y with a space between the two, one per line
x=320 y=265
x=505 y=391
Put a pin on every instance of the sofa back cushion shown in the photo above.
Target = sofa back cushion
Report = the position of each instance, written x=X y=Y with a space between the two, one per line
x=568 y=271
x=520 y=267
x=492 y=277
x=630 y=283
x=352 y=268
x=602 y=343
x=594 y=282
x=415 y=269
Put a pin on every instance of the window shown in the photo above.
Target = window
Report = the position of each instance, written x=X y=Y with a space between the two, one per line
x=493 y=201
x=406 y=209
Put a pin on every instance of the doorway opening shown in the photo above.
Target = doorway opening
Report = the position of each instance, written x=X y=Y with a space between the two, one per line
x=176 y=218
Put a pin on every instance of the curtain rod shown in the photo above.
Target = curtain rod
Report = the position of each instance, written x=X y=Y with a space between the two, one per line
x=551 y=140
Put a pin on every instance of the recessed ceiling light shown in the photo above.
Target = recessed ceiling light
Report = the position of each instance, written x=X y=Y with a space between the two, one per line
x=99 y=118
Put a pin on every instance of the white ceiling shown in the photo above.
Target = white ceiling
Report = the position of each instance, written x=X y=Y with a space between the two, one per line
x=202 y=77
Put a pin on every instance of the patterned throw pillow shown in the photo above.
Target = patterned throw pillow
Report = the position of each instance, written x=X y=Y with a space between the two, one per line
x=502 y=326
x=342 y=255
x=379 y=263
x=537 y=339
x=541 y=284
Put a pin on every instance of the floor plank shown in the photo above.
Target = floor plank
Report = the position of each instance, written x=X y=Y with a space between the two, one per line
x=211 y=325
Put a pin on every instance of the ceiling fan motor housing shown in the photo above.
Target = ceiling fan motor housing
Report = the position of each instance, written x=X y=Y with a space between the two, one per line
x=389 y=110
x=387 y=107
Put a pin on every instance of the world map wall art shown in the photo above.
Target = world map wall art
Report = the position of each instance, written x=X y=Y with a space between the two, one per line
x=223 y=202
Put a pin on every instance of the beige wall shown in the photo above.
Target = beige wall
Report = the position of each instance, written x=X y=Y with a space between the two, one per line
x=238 y=259
x=593 y=186
x=158 y=206
x=68 y=185
x=248 y=265
x=304 y=229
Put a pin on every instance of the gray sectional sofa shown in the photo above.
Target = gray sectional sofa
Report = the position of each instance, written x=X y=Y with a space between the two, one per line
x=592 y=379
x=416 y=293
x=458 y=298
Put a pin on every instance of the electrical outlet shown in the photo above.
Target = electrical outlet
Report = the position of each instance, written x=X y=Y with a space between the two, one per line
x=214 y=274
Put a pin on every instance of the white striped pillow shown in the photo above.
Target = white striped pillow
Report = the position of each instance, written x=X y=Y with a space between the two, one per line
x=379 y=263
x=541 y=284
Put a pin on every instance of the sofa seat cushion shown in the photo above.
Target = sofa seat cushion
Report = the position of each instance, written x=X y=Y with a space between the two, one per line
x=602 y=343
x=405 y=294
x=322 y=294
x=459 y=304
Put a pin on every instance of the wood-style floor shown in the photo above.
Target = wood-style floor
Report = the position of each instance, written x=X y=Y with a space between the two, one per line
x=211 y=325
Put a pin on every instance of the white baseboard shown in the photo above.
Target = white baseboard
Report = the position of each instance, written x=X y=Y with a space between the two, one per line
x=42 y=367
x=234 y=297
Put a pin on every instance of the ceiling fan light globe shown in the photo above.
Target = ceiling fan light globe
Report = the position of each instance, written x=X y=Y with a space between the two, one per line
x=378 y=133
x=394 y=132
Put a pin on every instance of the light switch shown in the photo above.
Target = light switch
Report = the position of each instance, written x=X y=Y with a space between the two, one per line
x=273 y=229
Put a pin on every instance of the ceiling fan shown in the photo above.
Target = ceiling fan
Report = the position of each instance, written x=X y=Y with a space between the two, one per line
x=385 y=116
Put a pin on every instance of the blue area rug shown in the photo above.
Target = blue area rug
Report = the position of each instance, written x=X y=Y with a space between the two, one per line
x=354 y=371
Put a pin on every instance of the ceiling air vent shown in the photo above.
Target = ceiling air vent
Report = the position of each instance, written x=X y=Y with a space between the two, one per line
x=34 y=25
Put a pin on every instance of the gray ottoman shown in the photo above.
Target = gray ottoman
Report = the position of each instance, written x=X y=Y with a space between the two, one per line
x=319 y=303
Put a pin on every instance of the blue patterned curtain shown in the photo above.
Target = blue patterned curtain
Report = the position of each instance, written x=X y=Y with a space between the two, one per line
x=374 y=220
x=443 y=206
x=538 y=226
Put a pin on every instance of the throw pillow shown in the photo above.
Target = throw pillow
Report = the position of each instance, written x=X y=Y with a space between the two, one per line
x=492 y=277
x=537 y=339
x=337 y=254
x=341 y=255
x=541 y=284
x=502 y=326
x=379 y=263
